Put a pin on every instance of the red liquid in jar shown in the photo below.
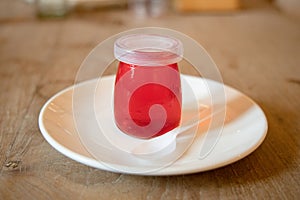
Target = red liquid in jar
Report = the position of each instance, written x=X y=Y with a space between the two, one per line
x=146 y=95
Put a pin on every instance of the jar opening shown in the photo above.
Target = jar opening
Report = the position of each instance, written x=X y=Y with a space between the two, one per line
x=148 y=50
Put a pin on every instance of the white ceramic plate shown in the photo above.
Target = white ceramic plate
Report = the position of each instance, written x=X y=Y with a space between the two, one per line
x=244 y=130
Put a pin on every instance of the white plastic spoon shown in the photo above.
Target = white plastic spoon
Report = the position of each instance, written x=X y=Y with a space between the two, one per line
x=167 y=142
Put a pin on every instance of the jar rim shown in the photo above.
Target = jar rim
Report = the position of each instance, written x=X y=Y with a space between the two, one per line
x=148 y=49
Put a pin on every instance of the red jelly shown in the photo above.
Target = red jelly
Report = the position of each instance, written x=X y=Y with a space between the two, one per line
x=147 y=94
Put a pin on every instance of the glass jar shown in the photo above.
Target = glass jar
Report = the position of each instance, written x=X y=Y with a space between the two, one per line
x=147 y=93
x=51 y=8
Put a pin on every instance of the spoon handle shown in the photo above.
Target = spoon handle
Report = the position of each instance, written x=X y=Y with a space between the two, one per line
x=196 y=120
x=160 y=143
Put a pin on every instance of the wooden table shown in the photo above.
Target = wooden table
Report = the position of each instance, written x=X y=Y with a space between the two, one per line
x=257 y=52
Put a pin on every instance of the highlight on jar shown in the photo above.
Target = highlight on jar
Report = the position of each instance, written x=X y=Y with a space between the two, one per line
x=147 y=91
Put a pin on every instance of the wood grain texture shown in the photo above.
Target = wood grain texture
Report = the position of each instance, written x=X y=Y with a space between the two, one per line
x=257 y=52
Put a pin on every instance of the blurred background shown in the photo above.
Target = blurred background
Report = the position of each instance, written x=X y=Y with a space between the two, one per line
x=228 y=29
x=140 y=8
